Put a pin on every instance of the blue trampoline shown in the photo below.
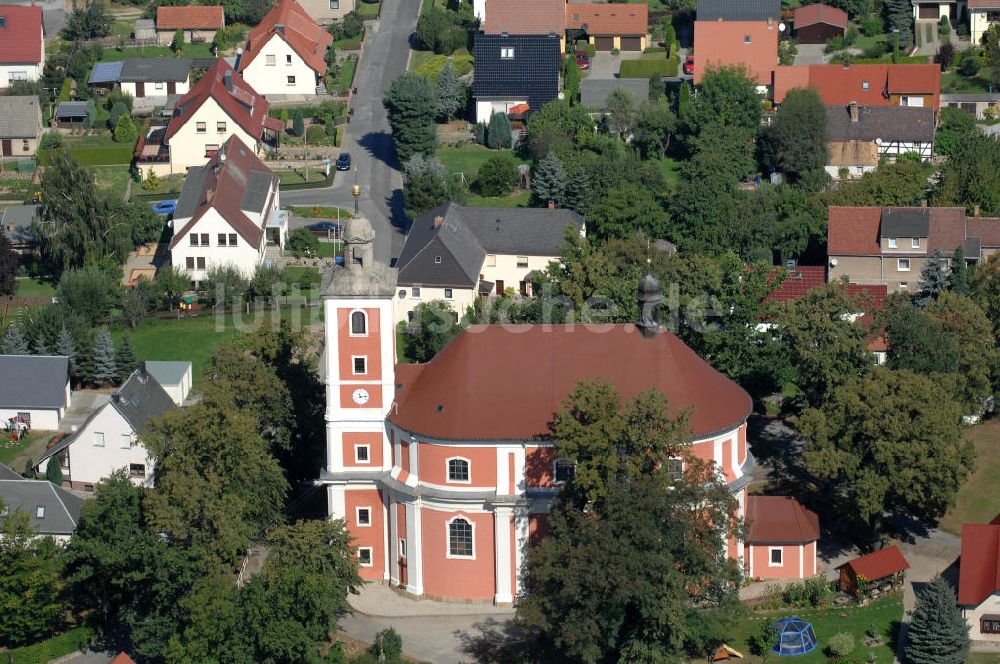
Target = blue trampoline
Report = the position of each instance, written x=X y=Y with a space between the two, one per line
x=795 y=637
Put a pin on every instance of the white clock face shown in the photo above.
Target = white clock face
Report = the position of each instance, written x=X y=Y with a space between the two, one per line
x=360 y=396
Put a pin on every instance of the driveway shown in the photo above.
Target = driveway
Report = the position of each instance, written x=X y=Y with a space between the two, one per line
x=367 y=136
x=604 y=65
x=810 y=54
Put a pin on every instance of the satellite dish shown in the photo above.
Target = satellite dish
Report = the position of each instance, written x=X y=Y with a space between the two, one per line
x=781 y=27
x=878 y=141
x=833 y=262
x=562 y=95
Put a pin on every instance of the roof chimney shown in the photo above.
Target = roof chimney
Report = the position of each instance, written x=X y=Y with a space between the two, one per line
x=847 y=64
x=552 y=204
x=976 y=210
x=438 y=220
x=853 y=108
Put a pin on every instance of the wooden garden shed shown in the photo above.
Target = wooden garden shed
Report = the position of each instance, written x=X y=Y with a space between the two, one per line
x=879 y=570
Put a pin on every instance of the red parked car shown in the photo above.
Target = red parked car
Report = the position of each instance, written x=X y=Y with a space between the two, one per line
x=582 y=60
x=689 y=65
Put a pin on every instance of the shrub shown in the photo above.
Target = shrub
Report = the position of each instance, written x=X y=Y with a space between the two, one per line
x=871 y=25
x=835 y=44
x=840 y=645
x=302 y=243
x=229 y=36
x=876 y=50
x=388 y=646
x=125 y=130
x=944 y=26
x=615 y=51
x=970 y=66
x=298 y=123
x=945 y=56
x=497 y=176
x=50 y=140
x=152 y=181
x=480 y=133
x=761 y=642
x=851 y=35
x=645 y=68
x=315 y=134
x=498 y=132
x=178 y=43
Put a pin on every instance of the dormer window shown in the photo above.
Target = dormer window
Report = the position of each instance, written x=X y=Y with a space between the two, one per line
x=865 y=85
x=746 y=39
x=507 y=52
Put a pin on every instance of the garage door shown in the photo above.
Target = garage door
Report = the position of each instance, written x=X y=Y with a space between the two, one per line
x=929 y=11
x=604 y=43
x=631 y=43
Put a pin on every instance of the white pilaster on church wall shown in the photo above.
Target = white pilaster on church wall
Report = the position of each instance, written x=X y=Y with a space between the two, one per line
x=414 y=549
x=502 y=544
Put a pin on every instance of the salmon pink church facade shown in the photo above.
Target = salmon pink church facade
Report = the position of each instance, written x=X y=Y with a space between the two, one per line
x=442 y=470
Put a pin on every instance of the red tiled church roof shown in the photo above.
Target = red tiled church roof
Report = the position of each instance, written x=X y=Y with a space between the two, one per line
x=495 y=382
x=21 y=34
x=289 y=20
x=979 y=566
x=227 y=176
x=779 y=520
x=879 y=564
x=240 y=101
x=190 y=17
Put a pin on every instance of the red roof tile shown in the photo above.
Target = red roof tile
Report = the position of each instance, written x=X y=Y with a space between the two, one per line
x=820 y=13
x=987 y=229
x=290 y=22
x=608 y=19
x=122 y=658
x=879 y=564
x=984 y=4
x=724 y=43
x=799 y=281
x=190 y=17
x=839 y=85
x=21 y=34
x=853 y=231
x=525 y=17
x=979 y=566
x=225 y=180
x=946 y=229
x=780 y=520
x=495 y=382
x=240 y=101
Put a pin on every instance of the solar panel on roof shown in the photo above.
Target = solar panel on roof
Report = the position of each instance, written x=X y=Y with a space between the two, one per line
x=105 y=72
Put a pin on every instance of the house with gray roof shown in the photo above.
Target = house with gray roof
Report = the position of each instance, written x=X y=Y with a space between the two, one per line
x=456 y=254
x=860 y=137
x=173 y=376
x=20 y=125
x=52 y=511
x=35 y=390
x=155 y=78
x=594 y=92
x=980 y=105
x=110 y=439
x=15 y=224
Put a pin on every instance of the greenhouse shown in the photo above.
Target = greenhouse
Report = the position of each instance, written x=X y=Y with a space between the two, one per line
x=795 y=637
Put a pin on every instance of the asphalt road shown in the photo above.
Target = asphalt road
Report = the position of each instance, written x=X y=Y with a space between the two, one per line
x=367 y=137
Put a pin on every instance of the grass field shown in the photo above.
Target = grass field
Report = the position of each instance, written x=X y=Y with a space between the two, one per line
x=514 y=200
x=671 y=169
x=882 y=616
x=345 y=76
x=190 y=50
x=113 y=179
x=983 y=658
x=431 y=67
x=952 y=81
x=61 y=644
x=10 y=449
x=464 y=158
x=34 y=288
x=420 y=58
x=319 y=212
x=978 y=501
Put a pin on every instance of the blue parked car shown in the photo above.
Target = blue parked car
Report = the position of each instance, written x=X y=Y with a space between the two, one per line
x=164 y=207
x=344 y=161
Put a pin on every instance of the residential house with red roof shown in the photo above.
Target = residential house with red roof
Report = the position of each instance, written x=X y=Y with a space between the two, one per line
x=227 y=214
x=220 y=105
x=781 y=539
x=325 y=12
x=866 y=85
x=872 y=245
x=22 y=43
x=738 y=32
x=818 y=23
x=285 y=53
x=982 y=14
x=198 y=23
x=979 y=579
x=859 y=138
x=444 y=470
x=524 y=17
x=610 y=25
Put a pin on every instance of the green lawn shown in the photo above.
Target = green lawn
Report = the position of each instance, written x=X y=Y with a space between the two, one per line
x=345 y=76
x=978 y=500
x=431 y=67
x=328 y=249
x=197 y=338
x=34 y=288
x=368 y=9
x=464 y=158
x=320 y=212
x=983 y=658
x=670 y=168
x=298 y=175
x=863 y=41
x=190 y=50
x=61 y=644
x=514 y=200
x=113 y=179
x=10 y=449
x=882 y=616
x=169 y=184
x=952 y=81
x=419 y=58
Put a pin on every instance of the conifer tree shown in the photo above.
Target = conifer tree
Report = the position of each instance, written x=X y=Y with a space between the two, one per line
x=298 y=123
x=498 y=132
x=38 y=346
x=66 y=347
x=125 y=358
x=15 y=343
x=938 y=633
x=105 y=366
x=958 y=279
x=933 y=280
x=450 y=93
x=53 y=472
x=548 y=181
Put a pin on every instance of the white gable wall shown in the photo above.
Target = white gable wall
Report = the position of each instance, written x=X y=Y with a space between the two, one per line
x=272 y=79
x=154 y=89
x=89 y=462
x=188 y=147
x=243 y=256
x=31 y=71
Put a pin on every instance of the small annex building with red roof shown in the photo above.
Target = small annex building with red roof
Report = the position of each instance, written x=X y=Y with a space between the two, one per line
x=817 y=23
x=22 y=43
x=879 y=569
x=197 y=23
x=979 y=579
x=218 y=106
x=227 y=214
x=286 y=53
x=443 y=470
x=781 y=539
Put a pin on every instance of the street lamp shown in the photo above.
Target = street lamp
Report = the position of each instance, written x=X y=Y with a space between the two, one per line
x=356 y=192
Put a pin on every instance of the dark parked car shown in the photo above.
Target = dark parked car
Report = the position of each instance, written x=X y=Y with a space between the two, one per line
x=324 y=228
x=344 y=162
x=689 y=65
x=164 y=207
x=582 y=60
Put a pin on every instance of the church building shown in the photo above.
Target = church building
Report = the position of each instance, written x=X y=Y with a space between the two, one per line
x=443 y=471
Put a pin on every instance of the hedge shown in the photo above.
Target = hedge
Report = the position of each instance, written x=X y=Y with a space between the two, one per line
x=646 y=67
x=91 y=156
x=62 y=644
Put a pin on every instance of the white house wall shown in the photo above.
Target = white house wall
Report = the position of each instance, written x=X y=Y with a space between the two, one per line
x=484 y=109
x=188 y=147
x=31 y=71
x=154 y=89
x=89 y=462
x=44 y=419
x=272 y=79
x=991 y=606
x=505 y=268
x=460 y=300
x=243 y=256
x=978 y=25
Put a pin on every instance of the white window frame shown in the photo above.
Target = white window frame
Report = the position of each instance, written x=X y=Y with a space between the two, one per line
x=865 y=85
x=915 y=243
x=357 y=516
x=491 y=260
x=290 y=81
x=683 y=467
x=125 y=438
x=447 y=470
x=201 y=127
x=415 y=292
x=99 y=440
x=335 y=4
x=892 y=243
x=449 y=294
x=134 y=474
x=350 y=323
x=358 y=446
x=371 y=556
x=899 y=264
x=438 y=260
x=354 y=367
x=288 y=60
x=770 y=559
x=746 y=39
x=904 y=285
x=447 y=537
x=402 y=547
x=507 y=52
x=40 y=514
x=159 y=85
x=270 y=60
x=555 y=465
x=521 y=261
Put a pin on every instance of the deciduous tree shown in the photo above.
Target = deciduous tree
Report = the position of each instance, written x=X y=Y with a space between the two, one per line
x=433 y=325
x=798 y=138
x=628 y=210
